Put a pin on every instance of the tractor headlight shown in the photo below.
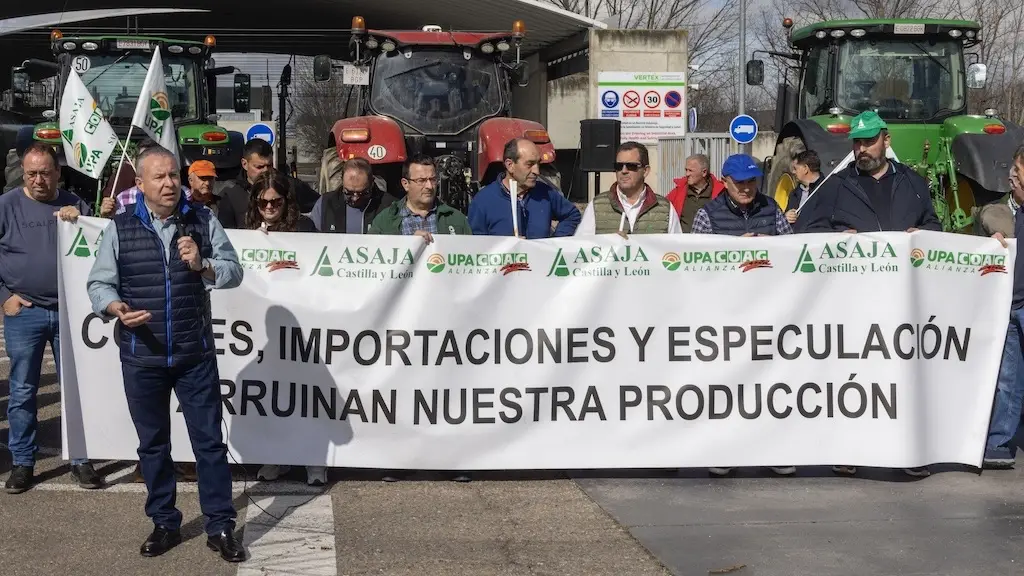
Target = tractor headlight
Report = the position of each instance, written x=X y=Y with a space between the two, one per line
x=175 y=49
x=857 y=32
x=955 y=33
x=837 y=33
x=388 y=46
x=68 y=45
x=487 y=49
x=372 y=43
x=503 y=46
x=194 y=49
x=820 y=34
x=89 y=46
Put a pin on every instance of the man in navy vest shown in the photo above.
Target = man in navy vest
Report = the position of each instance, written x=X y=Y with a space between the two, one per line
x=742 y=210
x=153 y=271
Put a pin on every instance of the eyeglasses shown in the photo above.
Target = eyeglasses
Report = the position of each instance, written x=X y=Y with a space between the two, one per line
x=631 y=166
x=423 y=181
x=262 y=204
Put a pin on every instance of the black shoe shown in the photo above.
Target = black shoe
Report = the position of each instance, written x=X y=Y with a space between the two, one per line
x=160 y=541
x=462 y=477
x=20 y=480
x=86 y=476
x=229 y=548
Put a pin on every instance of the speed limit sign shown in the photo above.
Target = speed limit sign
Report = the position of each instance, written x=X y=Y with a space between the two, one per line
x=652 y=99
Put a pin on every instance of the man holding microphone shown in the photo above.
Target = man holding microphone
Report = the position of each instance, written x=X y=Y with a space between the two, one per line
x=153 y=271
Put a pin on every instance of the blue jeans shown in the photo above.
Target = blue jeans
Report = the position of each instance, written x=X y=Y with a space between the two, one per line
x=149 y=400
x=26 y=334
x=1006 y=410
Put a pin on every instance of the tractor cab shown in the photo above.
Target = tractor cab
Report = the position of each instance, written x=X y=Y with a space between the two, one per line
x=916 y=75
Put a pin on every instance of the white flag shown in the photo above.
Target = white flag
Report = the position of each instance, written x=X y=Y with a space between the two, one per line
x=153 y=111
x=88 y=138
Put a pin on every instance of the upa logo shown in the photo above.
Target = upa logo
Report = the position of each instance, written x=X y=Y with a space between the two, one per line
x=967 y=263
x=671 y=261
x=159 y=106
x=916 y=257
x=435 y=263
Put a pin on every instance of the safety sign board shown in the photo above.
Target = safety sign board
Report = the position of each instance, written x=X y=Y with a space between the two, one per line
x=262 y=131
x=649 y=105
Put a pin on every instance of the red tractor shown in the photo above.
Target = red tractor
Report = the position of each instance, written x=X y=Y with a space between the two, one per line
x=444 y=94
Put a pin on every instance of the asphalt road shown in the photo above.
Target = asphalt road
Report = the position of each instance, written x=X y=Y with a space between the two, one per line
x=956 y=522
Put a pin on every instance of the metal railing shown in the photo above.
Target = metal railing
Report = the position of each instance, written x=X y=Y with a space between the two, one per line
x=673 y=152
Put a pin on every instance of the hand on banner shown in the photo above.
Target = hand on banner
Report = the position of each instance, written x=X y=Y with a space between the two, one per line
x=127 y=316
x=791 y=216
x=623 y=234
x=263 y=227
x=850 y=231
x=911 y=230
x=1002 y=239
x=68 y=214
x=427 y=236
x=190 y=253
x=14 y=304
x=107 y=207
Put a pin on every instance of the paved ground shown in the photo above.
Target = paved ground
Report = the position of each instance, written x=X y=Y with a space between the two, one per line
x=636 y=523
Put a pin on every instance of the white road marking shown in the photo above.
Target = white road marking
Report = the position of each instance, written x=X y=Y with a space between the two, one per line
x=292 y=535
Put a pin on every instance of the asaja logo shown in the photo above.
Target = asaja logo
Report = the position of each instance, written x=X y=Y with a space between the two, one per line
x=848 y=256
x=435 y=263
x=961 y=262
x=80 y=246
x=68 y=135
x=365 y=262
x=716 y=261
x=480 y=263
x=611 y=261
x=159 y=106
x=917 y=257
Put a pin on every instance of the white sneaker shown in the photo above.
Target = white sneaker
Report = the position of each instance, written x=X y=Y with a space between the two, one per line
x=720 y=471
x=272 y=472
x=784 y=470
x=316 y=475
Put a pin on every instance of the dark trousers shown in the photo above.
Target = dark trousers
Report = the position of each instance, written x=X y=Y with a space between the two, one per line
x=148 y=390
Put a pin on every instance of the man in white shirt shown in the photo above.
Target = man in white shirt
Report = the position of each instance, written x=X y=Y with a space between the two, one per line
x=630 y=206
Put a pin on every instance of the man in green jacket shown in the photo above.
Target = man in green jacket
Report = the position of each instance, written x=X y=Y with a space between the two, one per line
x=420 y=213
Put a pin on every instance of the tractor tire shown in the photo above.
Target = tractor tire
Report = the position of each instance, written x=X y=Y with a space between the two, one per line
x=551 y=175
x=780 y=182
x=330 y=171
x=13 y=175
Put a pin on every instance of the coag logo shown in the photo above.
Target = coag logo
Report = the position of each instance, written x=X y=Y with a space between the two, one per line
x=435 y=263
x=917 y=257
x=159 y=106
x=258 y=258
x=671 y=261
x=960 y=262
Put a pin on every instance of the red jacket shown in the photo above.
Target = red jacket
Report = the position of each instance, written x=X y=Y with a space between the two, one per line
x=677 y=197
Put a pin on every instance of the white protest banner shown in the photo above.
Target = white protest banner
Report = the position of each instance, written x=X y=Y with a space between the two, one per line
x=601 y=352
x=87 y=137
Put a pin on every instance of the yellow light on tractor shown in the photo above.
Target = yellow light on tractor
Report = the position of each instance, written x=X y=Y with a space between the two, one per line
x=519 y=29
x=358 y=25
x=787 y=23
x=210 y=41
x=56 y=34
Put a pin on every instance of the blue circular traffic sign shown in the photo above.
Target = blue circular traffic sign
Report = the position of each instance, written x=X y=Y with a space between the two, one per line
x=673 y=99
x=743 y=129
x=260 y=130
x=610 y=99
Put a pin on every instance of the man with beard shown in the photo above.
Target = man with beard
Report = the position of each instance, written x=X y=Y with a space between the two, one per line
x=351 y=209
x=872 y=194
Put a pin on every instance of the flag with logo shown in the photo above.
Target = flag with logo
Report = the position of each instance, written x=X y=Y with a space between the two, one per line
x=88 y=138
x=153 y=111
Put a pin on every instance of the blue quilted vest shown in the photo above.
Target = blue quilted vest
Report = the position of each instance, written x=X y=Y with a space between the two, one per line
x=181 y=330
x=727 y=218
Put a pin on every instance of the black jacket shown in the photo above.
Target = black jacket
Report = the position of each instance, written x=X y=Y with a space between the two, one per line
x=841 y=204
x=235 y=199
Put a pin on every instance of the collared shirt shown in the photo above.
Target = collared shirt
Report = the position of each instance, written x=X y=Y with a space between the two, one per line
x=702 y=223
x=1013 y=205
x=104 y=280
x=132 y=195
x=630 y=212
x=412 y=222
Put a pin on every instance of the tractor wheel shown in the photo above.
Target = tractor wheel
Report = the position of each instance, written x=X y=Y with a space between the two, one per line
x=780 y=182
x=330 y=171
x=552 y=176
x=13 y=175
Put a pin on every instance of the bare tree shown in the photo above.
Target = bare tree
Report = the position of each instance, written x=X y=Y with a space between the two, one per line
x=316 y=106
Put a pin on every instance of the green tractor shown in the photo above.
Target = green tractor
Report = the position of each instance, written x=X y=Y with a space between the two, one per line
x=915 y=75
x=114 y=68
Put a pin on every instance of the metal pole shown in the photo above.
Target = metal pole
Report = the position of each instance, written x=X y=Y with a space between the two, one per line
x=740 y=80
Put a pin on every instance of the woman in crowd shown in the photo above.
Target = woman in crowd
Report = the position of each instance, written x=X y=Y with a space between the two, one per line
x=273 y=208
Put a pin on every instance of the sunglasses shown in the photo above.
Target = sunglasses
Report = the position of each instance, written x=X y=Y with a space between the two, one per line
x=631 y=166
x=275 y=202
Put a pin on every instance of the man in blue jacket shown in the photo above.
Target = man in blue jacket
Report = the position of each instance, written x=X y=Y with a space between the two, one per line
x=872 y=194
x=490 y=212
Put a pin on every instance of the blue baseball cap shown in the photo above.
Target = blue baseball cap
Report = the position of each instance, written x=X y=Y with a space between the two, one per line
x=741 y=167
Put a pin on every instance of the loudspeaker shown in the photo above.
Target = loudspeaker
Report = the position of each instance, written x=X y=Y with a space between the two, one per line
x=598 y=140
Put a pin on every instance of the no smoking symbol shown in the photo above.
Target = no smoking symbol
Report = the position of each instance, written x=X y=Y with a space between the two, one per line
x=631 y=99
x=652 y=99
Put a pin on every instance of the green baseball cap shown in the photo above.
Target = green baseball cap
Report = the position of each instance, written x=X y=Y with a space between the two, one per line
x=867 y=124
